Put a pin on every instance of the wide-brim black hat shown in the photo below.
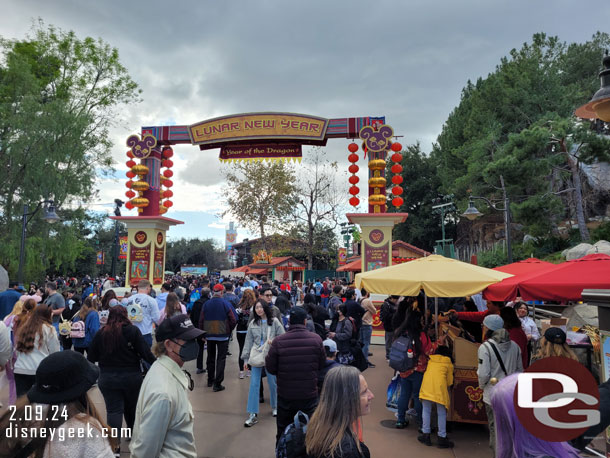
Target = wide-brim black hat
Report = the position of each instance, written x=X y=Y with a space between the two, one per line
x=63 y=377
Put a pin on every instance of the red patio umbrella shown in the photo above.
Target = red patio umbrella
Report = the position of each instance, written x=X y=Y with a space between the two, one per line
x=508 y=289
x=567 y=281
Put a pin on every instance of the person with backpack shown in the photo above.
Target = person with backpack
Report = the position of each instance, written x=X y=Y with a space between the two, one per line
x=498 y=357
x=143 y=310
x=435 y=391
x=244 y=312
x=194 y=315
x=334 y=428
x=84 y=325
x=409 y=355
x=261 y=332
x=295 y=358
x=386 y=315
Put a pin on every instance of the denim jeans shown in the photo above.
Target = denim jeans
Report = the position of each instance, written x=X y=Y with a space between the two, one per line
x=366 y=331
x=149 y=341
x=120 y=391
x=59 y=336
x=255 y=383
x=441 y=413
x=409 y=388
x=325 y=302
x=389 y=339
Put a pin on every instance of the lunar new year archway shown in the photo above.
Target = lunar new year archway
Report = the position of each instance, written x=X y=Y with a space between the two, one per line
x=254 y=136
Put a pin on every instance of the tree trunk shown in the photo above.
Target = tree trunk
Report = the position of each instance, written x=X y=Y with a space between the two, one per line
x=576 y=183
x=263 y=237
x=310 y=233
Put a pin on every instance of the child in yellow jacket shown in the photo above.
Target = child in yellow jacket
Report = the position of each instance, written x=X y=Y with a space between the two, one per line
x=435 y=390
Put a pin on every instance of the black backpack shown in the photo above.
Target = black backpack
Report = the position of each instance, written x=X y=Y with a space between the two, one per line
x=292 y=441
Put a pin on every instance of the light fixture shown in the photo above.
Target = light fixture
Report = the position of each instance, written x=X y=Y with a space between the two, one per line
x=49 y=213
x=471 y=212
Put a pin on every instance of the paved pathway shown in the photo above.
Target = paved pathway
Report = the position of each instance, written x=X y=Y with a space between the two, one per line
x=220 y=433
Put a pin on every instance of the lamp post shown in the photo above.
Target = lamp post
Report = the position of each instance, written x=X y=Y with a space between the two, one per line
x=118 y=203
x=49 y=216
x=443 y=210
x=472 y=213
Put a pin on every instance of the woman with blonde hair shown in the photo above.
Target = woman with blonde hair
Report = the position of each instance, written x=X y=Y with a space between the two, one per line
x=35 y=339
x=244 y=309
x=333 y=430
x=553 y=343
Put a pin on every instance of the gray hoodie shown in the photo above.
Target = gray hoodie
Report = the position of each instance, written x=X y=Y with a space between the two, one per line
x=489 y=366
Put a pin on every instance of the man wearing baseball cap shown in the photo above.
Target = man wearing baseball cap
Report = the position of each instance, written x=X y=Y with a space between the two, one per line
x=217 y=319
x=164 y=415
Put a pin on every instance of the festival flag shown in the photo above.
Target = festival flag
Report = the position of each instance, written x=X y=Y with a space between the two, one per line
x=99 y=258
x=342 y=256
x=123 y=247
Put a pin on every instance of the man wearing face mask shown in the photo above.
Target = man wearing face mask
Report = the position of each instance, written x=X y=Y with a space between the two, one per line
x=164 y=415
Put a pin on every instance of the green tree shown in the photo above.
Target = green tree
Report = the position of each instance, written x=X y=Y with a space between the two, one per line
x=498 y=142
x=59 y=95
x=261 y=195
x=421 y=185
x=195 y=251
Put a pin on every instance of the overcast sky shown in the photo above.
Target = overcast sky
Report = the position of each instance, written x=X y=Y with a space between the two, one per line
x=404 y=59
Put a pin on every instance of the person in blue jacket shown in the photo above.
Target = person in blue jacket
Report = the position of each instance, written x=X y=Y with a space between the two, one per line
x=88 y=314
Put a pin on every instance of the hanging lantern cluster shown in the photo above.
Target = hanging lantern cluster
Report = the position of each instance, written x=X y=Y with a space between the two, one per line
x=377 y=183
x=353 y=179
x=138 y=172
x=397 y=179
x=166 y=181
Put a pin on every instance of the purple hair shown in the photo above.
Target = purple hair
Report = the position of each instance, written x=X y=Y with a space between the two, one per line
x=512 y=439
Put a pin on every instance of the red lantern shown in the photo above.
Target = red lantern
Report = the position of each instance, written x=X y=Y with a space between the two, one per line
x=168 y=183
x=168 y=152
x=167 y=163
x=354 y=201
x=397 y=201
x=129 y=205
x=396 y=168
x=354 y=190
x=129 y=184
x=168 y=203
x=354 y=179
x=396 y=157
x=168 y=193
x=130 y=174
x=396 y=179
x=353 y=168
x=396 y=147
x=168 y=173
x=130 y=194
x=352 y=157
x=130 y=163
x=397 y=190
x=130 y=154
x=352 y=147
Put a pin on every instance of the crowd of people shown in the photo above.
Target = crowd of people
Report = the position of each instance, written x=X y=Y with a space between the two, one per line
x=310 y=342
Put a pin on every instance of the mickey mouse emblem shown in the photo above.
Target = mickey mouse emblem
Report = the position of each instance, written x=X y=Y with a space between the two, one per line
x=377 y=141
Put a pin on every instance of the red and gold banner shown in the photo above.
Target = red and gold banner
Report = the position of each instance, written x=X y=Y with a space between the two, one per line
x=261 y=151
x=376 y=257
x=99 y=258
x=123 y=247
x=158 y=265
x=342 y=256
x=140 y=263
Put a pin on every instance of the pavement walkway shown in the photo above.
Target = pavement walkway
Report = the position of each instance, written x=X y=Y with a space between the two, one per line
x=220 y=431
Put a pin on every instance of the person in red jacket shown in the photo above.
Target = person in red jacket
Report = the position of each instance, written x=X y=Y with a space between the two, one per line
x=295 y=358
x=512 y=324
x=493 y=308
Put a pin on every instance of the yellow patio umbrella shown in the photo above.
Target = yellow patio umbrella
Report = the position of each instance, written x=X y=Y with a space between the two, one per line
x=437 y=275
